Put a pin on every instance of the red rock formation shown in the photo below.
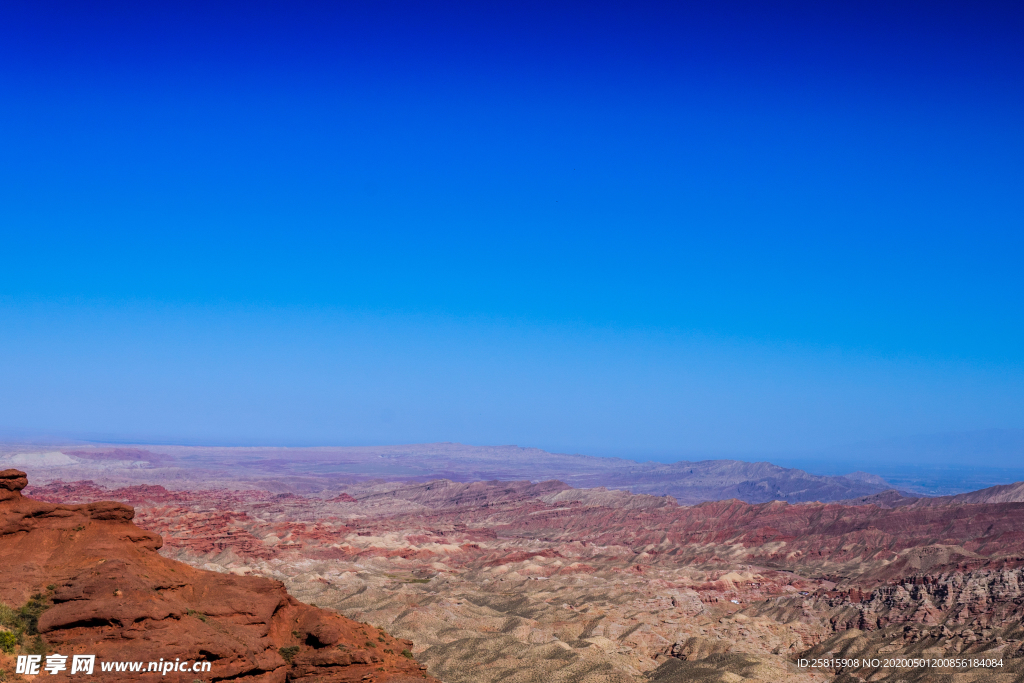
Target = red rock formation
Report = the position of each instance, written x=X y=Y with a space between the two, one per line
x=115 y=597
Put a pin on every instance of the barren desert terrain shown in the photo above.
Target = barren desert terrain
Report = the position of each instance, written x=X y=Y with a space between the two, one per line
x=541 y=581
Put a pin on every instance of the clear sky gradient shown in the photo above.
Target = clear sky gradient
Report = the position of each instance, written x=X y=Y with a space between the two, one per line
x=642 y=229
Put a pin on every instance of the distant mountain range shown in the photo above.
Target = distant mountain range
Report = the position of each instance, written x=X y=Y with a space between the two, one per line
x=311 y=468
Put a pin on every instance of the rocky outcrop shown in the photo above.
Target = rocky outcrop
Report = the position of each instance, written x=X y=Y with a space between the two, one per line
x=11 y=484
x=985 y=598
x=108 y=592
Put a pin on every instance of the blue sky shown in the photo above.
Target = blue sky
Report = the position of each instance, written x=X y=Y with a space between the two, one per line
x=619 y=228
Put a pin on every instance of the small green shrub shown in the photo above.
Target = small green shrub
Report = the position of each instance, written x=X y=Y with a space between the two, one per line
x=30 y=612
x=288 y=653
x=24 y=620
x=198 y=615
x=7 y=641
x=407 y=654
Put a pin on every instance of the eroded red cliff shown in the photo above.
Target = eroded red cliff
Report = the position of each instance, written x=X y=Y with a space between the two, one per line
x=112 y=595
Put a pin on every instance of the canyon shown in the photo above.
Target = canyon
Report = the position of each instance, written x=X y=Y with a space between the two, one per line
x=543 y=581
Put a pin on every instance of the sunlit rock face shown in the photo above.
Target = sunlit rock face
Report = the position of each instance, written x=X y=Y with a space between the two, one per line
x=103 y=589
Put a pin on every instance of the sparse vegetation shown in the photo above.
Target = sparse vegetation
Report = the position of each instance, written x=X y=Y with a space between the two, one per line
x=288 y=653
x=198 y=615
x=369 y=644
x=23 y=623
x=407 y=654
x=31 y=611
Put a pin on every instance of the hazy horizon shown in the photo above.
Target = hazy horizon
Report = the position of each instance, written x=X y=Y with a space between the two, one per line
x=1001 y=450
x=933 y=465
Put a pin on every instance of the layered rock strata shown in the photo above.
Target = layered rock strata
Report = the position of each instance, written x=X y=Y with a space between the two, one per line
x=108 y=592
